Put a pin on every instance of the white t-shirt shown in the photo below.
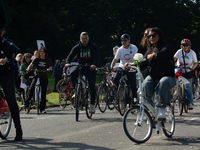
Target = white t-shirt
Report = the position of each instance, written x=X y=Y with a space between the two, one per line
x=190 y=59
x=126 y=55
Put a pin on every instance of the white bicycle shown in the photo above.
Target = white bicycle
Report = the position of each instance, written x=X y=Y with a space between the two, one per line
x=139 y=121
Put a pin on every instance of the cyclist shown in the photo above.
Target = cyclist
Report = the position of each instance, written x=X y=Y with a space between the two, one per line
x=41 y=63
x=25 y=62
x=7 y=79
x=161 y=76
x=188 y=58
x=125 y=53
x=87 y=53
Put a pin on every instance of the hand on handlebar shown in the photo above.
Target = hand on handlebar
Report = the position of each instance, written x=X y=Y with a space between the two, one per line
x=93 y=67
x=2 y=61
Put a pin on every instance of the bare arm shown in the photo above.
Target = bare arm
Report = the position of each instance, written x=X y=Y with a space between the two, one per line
x=175 y=58
x=114 y=61
x=194 y=66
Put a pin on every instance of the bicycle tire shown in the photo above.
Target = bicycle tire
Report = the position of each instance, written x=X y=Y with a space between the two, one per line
x=5 y=122
x=101 y=98
x=132 y=123
x=38 y=100
x=88 y=104
x=181 y=98
x=27 y=110
x=110 y=100
x=63 y=97
x=78 y=96
x=59 y=84
x=121 y=99
x=186 y=107
x=168 y=126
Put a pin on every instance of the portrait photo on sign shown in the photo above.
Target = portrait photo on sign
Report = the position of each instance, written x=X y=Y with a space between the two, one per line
x=40 y=43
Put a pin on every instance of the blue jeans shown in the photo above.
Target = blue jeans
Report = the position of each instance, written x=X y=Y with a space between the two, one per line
x=131 y=77
x=161 y=87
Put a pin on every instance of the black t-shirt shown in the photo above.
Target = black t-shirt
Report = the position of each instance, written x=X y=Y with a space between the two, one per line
x=42 y=64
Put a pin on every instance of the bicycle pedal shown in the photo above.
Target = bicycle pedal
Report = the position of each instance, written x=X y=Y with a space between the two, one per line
x=161 y=119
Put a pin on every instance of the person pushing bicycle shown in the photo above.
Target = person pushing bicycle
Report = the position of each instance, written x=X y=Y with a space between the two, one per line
x=87 y=53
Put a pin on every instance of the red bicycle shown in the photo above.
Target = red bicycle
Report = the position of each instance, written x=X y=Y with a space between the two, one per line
x=5 y=117
x=65 y=93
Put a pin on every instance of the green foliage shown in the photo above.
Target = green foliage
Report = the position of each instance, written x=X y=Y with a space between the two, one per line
x=60 y=22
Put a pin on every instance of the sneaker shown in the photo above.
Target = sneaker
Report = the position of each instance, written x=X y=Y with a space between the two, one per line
x=161 y=114
x=73 y=96
x=92 y=109
x=44 y=112
x=190 y=107
x=23 y=107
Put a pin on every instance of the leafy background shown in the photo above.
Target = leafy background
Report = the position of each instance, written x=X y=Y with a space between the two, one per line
x=60 y=22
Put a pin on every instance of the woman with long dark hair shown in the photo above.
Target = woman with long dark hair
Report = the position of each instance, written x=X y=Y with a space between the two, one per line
x=42 y=62
x=161 y=76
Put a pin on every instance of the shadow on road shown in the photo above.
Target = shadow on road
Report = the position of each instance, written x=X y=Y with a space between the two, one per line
x=41 y=143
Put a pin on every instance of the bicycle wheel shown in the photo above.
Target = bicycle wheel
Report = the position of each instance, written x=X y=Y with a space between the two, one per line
x=88 y=104
x=101 y=98
x=121 y=99
x=110 y=100
x=137 y=128
x=63 y=96
x=5 y=124
x=186 y=107
x=168 y=126
x=78 y=96
x=38 y=90
x=181 y=98
x=59 y=84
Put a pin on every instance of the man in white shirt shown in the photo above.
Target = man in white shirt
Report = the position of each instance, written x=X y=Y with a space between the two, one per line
x=125 y=53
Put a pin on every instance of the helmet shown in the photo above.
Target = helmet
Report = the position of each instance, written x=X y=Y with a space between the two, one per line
x=185 y=41
x=125 y=36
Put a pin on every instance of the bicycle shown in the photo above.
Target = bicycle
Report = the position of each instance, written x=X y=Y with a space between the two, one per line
x=124 y=93
x=140 y=120
x=82 y=96
x=5 y=116
x=102 y=90
x=65 y=93
x=37 y=93
x=179 y=91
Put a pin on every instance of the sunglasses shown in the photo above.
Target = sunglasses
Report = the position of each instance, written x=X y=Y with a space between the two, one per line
x=85 y=38
x=185 y=45
x=124 y=41
x=152 y=35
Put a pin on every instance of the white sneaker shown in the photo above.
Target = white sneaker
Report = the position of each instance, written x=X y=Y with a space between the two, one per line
x=190 y=107
x=92 y=109
x=161 y=114
x=73 y=96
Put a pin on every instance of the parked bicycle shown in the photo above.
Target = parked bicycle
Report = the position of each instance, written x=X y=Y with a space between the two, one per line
x=5 y=116
x=140 y=120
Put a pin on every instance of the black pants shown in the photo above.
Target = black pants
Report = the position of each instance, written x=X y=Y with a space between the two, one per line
x=90 y=75
x=57 y=78
x=29 y=95
x=8 y=85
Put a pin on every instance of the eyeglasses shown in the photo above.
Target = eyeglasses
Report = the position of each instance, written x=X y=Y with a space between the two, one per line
x=85 y=38
x=152 y=35
x=124 y=41
x=185 y=45
x=145 y=34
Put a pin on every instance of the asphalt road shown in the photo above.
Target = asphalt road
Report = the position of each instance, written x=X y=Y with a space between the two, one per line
x=58 y=130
